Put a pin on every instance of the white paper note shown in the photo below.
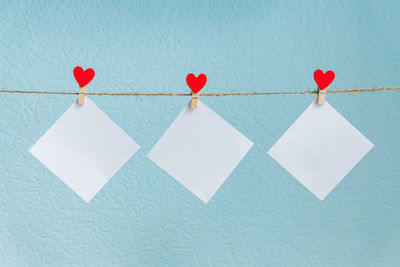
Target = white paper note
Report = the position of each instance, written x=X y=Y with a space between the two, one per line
x=320 y=149
x=200 y=150
x=84 y=148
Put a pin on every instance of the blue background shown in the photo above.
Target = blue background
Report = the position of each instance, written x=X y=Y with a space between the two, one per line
x=261 y=215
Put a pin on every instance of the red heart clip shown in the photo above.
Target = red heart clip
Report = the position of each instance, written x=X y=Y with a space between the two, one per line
x=83 y=77
x=196 y=83
x=323 y=79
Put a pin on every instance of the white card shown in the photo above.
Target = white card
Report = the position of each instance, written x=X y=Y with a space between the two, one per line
x=320 y=149
x=200 y=150
x=84 y=148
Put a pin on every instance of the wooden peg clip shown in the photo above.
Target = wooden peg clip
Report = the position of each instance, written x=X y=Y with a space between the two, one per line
x=323 y=80
x=195 y=100
x=321 y=96
x=83 y=77
x=195 y=84
x=82 y=95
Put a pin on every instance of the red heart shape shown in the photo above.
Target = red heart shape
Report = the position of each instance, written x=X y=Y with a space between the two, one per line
x=196 y=83
x=323 y=79
x=83 y=77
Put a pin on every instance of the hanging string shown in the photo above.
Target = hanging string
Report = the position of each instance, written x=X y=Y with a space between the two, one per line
x=338 y=91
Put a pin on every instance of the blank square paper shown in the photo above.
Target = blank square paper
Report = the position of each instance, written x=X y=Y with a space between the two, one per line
x=200 y=150
x=320 y=149
x=84 y=148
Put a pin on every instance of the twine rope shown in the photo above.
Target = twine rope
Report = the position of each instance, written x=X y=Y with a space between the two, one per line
x=338 y=91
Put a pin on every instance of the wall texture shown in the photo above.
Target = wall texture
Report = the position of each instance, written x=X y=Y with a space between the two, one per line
x=261 y=215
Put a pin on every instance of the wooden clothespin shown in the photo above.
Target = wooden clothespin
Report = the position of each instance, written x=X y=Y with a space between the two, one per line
x=321 y=96
x=81 y=96
x=83 y=78
x=323 y=80
x=195 y=100
x=195 y=84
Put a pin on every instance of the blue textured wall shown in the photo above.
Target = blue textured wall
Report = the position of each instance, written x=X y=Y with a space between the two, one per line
x=261 y=215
